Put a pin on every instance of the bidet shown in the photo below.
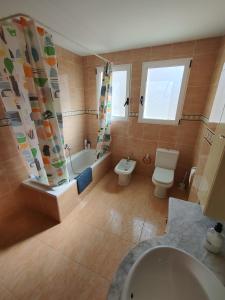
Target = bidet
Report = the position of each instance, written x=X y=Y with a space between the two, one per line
x=124 y=169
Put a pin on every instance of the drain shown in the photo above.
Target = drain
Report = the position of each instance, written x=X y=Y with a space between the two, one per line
x=131 y=296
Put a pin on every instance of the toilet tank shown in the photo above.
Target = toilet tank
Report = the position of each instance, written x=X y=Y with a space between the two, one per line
x=166 y=158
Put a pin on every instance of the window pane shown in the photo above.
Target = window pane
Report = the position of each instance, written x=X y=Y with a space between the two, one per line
x=162 y=92
x=119 y=88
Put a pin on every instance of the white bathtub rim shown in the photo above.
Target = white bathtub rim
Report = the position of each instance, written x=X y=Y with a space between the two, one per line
x=93 y=165
x=100 y=159
x=54 y=191
x=57 y=191
x=75 y=155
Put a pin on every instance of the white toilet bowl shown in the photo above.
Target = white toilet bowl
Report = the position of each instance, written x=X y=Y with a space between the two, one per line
x=163 y=180
x=124 y=169
x=163 y=176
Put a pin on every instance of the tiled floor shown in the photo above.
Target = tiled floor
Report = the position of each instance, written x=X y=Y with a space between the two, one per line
x=77 y=258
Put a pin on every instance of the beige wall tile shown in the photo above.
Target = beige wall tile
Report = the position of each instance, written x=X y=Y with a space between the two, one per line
x=71 y=79
x=209 y=45
x=195 y=100
x=203 y=147
x=67 y=201
x=204 y=54
x=161 y=52
x=2 y=111
x=185 y=49
x=12 y=172
x=129 y=137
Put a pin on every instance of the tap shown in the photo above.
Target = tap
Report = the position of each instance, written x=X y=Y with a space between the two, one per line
x=128 y=158
x=67 y=146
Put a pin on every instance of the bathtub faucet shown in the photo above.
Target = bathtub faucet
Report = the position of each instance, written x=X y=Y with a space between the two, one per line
x=67 y=146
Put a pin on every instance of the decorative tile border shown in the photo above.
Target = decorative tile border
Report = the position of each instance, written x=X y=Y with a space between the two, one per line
x=91 y=112
x=184 y=117
x=191 y=117
x=78 y=112
x=133 y=114
x=6 y=121
x=198 y=117
x=71 y=113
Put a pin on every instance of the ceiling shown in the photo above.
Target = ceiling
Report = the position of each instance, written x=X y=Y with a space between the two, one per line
x=112 y=25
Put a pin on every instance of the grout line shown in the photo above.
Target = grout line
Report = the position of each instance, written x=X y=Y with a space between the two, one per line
x=8 y=290
x=141 y=231
x=69 y=260
x=60 y=253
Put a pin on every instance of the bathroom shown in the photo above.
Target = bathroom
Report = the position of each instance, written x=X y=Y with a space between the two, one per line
x=81 y=233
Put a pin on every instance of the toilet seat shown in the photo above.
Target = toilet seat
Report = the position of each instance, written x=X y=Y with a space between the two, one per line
x=163 y=176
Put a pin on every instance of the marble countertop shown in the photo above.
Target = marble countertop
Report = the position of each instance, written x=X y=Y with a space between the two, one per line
x=186 y=230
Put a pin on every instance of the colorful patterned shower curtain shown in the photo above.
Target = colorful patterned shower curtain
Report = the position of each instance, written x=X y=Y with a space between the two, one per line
x=29 y=90
x=104 y=115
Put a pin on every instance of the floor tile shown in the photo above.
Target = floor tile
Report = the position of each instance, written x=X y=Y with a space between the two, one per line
x=72 y=281
x=27 y=265
x=5 y=294
x=76 y=259
x=22 y=225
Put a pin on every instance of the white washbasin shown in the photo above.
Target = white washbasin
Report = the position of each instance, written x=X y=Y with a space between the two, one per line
x=166 y=273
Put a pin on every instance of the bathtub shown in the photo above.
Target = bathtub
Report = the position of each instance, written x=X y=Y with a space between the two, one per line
x=82 y=160
x=57 y=202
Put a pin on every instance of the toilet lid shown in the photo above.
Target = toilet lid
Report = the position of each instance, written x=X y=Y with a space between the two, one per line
x=163 y=175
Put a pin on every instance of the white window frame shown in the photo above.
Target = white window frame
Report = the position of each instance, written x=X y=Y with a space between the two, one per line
x=186 y=62
x=125 y=67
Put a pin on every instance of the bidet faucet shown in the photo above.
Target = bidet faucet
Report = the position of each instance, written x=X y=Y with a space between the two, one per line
x=128 y=158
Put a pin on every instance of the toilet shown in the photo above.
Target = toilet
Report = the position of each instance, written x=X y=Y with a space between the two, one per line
x=124 y=169
x=163 y=176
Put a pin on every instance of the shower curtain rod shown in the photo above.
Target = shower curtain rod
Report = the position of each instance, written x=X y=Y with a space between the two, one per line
x=52 y=30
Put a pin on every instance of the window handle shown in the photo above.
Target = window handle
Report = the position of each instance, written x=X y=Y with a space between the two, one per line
x=142 y=100
x=127 y=102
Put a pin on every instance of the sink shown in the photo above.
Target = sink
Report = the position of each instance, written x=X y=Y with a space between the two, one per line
x=167 y=273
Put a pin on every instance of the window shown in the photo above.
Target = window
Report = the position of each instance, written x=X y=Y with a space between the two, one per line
x=120 y=90
x=163 y=88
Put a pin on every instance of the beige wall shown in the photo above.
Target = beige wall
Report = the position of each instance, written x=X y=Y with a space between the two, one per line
x=206 y=133
x=136 y=139
x=12 y=169
x=129 y=138
x=72 y=97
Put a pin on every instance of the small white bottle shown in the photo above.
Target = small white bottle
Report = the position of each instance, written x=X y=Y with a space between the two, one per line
x=214 y=239
x=88 y=145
